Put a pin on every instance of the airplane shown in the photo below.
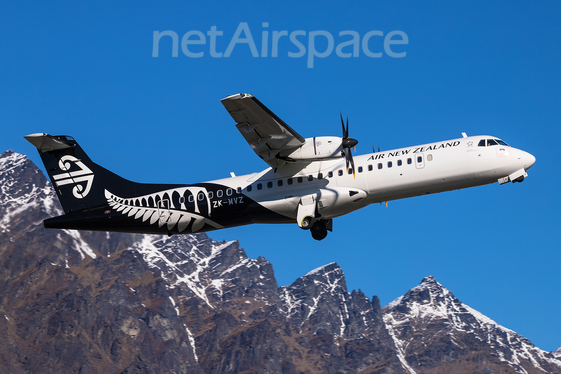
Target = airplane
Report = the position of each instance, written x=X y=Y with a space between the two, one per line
x=309 y=181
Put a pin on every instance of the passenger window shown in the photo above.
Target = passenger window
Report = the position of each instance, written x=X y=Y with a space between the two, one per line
x=279 y=183
x=249 y=188
x=389 y=164
x=399 y=162
x=350 y=171
x=181 y=200
x=310 y=178
x=269 y=184
x=380 y=165
x=409 y=161
x=370 y=167
x=219 y=193
x=259 y=186
x=201 y=196
x=360 y=169
x=229 y=192
x=330 y=174
x=289 y=181
x=239 y=190
x=300 y=179
x=419 y=159
x=210 y=195
x=191 y=198
x=340 y=172
x=320 y=176
x=429 y=157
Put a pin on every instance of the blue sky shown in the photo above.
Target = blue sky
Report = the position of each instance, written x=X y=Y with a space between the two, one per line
x=484 y=67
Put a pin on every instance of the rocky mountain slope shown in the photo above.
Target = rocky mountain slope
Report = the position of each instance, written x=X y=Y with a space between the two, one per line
x=436 y=333
x=91 y=302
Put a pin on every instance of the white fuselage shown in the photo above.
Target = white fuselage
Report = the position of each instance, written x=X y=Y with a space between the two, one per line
x=382 y=176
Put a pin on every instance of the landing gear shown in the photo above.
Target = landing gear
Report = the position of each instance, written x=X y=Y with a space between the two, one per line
x=307 y=218
x=320 y=227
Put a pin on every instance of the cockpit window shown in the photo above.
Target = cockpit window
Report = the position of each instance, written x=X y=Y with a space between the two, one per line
x=491 y=142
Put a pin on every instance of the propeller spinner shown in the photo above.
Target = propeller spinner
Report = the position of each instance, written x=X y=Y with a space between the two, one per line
x=348 y=143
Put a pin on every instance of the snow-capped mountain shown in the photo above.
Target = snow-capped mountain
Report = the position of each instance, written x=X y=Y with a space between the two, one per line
x=79 y=301
x=34 y=198
x=320 y=303
x=432 y=329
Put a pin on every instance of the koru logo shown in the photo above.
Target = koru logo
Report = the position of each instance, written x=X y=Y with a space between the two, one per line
x=82 y=177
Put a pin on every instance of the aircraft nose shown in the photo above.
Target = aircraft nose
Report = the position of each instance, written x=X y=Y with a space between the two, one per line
x=528 y=160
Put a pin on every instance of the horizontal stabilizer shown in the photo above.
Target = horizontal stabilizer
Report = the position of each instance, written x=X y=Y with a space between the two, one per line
x=46 y=143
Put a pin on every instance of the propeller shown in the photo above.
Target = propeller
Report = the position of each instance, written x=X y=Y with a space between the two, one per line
x=347 y=144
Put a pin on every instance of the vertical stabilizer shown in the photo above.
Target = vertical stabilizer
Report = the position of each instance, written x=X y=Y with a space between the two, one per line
x=78 y=182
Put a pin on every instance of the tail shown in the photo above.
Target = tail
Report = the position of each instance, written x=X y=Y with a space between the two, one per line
x=78 y=181
x=93 y=198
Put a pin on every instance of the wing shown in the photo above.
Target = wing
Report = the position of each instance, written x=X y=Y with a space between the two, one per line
x=266 y=133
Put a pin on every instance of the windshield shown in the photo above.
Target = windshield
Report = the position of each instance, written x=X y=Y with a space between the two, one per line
x=491 y=142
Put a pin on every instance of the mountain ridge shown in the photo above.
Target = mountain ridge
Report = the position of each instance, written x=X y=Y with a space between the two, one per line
x=455 y=324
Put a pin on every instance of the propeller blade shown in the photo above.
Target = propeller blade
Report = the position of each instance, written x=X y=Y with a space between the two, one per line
x=349 y=160
x=345 y=134
x=348 y=143
x=352 y=163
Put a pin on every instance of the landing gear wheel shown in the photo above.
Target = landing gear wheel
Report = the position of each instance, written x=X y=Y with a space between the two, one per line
x=307 y=222
x=319 y=230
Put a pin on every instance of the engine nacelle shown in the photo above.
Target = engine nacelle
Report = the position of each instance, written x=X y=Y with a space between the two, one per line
x=337 y=201
x=317 y=148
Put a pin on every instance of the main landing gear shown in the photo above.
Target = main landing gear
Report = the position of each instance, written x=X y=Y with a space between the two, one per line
x=306 y=218
x=318 y=228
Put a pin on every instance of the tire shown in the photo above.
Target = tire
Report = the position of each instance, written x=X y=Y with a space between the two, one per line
x=319 y=230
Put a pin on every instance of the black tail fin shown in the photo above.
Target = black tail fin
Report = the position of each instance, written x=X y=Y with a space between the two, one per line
x=79 y=183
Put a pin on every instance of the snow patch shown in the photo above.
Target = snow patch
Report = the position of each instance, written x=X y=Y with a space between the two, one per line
x=318 y=270
x=79 y=244
x=192 y=342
